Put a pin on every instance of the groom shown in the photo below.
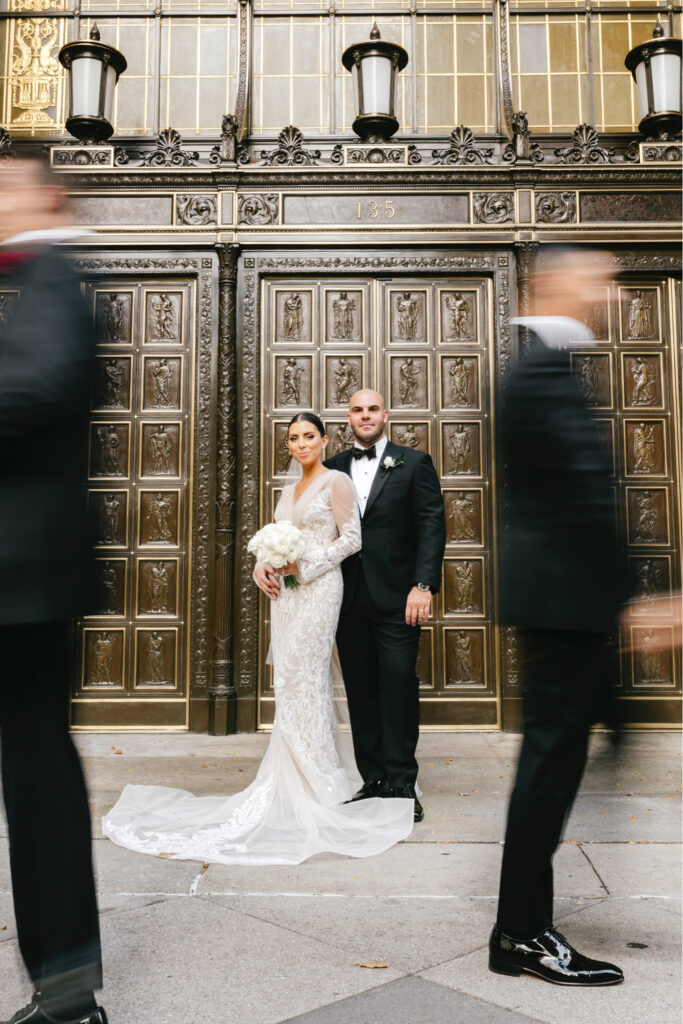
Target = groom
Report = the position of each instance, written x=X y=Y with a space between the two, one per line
x=388 y=587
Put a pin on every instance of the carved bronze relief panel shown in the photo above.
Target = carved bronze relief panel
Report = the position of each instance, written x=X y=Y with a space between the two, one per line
x=135 y=642
x=629 y=378
x=424 y=342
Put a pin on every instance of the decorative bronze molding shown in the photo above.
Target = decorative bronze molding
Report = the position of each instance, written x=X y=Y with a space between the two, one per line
x=226 y=151
x=290 y=150
x=169 y=152
x=82 y=156
x=654 y=150
x=493 y=207
x=556 y=207
x=223 y=706
x=6 y=151
x=462 y=149
x=243 y=69
x=631 y=206
x=258 y=209
x=196 y=211
x=585 y=148
x=377 y=155
x=525 y=258
x=521 y=149
x=503 y=20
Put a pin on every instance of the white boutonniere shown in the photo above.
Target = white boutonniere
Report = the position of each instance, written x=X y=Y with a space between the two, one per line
x=391 y=463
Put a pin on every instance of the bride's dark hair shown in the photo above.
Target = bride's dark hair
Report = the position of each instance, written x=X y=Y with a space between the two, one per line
x=308 y=417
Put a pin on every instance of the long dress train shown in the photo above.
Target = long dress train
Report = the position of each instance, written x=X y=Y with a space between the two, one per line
x=295 y=806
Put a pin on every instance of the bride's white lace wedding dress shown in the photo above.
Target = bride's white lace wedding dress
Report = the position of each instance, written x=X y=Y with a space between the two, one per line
x=295 y=806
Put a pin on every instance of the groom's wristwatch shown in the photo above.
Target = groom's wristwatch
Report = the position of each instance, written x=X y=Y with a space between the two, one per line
x=424 y=587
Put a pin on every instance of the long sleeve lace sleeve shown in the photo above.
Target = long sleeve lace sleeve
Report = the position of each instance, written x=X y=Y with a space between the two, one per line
x=319 y=559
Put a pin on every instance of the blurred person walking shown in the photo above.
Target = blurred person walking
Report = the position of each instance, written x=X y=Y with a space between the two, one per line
x=46 y=349
x=563 y=586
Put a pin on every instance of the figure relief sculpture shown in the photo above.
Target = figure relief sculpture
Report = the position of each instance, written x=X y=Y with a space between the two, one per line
x=342 y=438
x=646 y=525
x=406 y=309
x=459 y=373
x=461 y=514
x=103 y=657
x=460 y=326
x=590 y=381
x=5 y=310
x=644 y=448
x=157 y=518
x=464 y=586
x=291 y=383
x=293 y=317
x=406 y=435
x=650 y=581
x=461 y=449
x=644 y=382
x=158 y=588
x=164 y=322
x=110 y=445
x=113 y=377
x=113 y=318
x=109 y=520
x=640 y=316
x=155 y=659
x=343 y=309
x=160 y=450
x=346 y=381
x=109 y=584
x=463 y=658
x=651 y=670
x=283 y=456
x=162 y=381
x=408 y=381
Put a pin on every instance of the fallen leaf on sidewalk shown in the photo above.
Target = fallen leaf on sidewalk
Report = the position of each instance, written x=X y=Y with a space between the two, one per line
x=167 y=854
x=117 y=751
x=372 y=964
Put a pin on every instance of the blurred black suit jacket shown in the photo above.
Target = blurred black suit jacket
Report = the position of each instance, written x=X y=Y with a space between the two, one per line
x=404 y=532
x=562 y=566
x=46 y=350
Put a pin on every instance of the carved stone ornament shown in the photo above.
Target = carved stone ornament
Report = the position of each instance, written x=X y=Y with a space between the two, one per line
x=169 y=151
x=493 y=207
x=226 y=151
x=196 y=211
x=257 y=209
x=462 y=149
x=290 y=150
x=5 y=144
x=82 y=156
x=585 y=148
x=520 y=149
x=556 y=207
x=378 y=155
x=653 y=150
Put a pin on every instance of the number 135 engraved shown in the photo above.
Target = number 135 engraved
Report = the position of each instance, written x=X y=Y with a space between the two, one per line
x=372 y=209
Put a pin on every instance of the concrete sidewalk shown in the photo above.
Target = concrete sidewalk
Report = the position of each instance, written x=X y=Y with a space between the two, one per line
x=187 y=944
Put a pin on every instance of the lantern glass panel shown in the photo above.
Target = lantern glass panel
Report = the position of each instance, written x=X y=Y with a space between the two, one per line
x=109 y=87
x=377 y=82
x=86 y=73
x=666 y=81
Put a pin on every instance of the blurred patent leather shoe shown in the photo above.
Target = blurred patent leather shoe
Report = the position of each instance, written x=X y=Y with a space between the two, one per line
x=548 y=956
x=407 y=793
x=375 y=787
x=37 y=1012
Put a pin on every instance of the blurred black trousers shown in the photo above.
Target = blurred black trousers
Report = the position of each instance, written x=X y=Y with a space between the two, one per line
x=566 y=678
x=47 y=814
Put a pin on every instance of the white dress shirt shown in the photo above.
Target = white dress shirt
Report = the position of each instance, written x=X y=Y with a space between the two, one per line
x=363 y=472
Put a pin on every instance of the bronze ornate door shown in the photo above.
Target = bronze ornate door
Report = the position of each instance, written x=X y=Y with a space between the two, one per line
x=426 y=343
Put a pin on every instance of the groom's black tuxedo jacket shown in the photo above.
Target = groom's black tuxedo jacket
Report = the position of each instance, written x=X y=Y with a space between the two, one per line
x=404 y=530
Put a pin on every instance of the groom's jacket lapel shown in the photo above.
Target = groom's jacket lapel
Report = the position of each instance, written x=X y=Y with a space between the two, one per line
x=345 y=461
x=381 y=476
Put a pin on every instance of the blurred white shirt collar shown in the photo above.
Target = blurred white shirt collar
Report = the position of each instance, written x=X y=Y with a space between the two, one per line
x=556 y=331
x=52 y=235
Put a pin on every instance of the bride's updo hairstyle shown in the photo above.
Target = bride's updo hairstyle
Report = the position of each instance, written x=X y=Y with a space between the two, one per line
x=308 y=417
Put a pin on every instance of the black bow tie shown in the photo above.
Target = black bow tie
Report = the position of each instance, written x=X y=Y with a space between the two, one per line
x=364 y=453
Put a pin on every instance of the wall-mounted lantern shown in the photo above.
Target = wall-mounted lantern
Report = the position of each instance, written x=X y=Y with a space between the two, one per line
x=94 y=69
x=656 y=69
x=374 y=66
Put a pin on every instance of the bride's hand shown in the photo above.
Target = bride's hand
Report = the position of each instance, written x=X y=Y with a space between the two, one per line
x=268 y=581
x=291 y=569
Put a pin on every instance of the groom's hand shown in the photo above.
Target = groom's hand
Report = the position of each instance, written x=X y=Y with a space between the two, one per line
x=418 y=607
x=268 y=581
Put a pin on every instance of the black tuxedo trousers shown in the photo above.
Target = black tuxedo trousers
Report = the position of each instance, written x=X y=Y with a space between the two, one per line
x=47 y=815
x=567 y=676
x=378 y=652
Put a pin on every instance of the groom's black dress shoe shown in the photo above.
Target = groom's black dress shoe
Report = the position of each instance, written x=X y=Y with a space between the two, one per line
x=375 y=787
x=37 y=1013
x=407 y=793
x=548 y=956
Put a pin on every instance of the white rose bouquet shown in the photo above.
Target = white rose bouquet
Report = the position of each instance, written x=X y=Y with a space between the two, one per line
x=277 y=544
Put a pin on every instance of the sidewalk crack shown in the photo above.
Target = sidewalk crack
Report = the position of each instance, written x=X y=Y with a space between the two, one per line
x=594 y=869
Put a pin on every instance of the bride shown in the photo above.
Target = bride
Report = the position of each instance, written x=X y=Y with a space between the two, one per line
x=296 y=806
